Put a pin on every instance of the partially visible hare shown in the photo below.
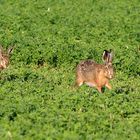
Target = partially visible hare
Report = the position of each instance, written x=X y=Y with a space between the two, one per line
x=94 y=74
x=4 y=57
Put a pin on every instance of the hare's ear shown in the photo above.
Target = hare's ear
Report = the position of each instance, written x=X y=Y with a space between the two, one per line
x=110 y=57
x=106 y=55
x=10 y=50
x=1 y=50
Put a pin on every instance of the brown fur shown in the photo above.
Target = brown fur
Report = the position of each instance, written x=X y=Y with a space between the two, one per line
x=4 y=57
x=94 y=74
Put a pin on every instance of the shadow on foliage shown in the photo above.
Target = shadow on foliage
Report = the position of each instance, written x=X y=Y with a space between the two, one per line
x=124 y=89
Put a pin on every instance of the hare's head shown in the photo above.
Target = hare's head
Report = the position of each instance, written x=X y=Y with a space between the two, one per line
x=7 y=53
x=4 y=57
x=107 y=58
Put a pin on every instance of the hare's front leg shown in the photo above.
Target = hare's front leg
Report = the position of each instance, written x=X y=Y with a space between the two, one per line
x=108 y=85
x=99 y=89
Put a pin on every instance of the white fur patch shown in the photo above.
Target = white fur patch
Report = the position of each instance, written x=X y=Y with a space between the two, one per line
x=90 y=84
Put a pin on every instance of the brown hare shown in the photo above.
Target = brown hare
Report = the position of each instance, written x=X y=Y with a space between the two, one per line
x=94 y=74
x=4 y=57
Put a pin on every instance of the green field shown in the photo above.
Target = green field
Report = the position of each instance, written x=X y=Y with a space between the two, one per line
x=38 y=100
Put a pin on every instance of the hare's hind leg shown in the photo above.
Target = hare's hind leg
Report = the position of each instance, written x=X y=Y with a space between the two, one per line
x=79 y=79
x=79 y=82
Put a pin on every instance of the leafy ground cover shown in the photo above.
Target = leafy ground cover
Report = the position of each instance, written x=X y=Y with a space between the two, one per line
x=37 y=96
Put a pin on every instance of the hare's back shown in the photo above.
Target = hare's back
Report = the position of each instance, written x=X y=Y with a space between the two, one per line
x=86 y=66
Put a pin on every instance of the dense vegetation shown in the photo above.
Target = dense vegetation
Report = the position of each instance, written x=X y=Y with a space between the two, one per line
x=37 y=96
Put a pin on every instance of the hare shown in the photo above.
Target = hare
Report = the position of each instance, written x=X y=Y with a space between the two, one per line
x=94 y=74
x=4 y=57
